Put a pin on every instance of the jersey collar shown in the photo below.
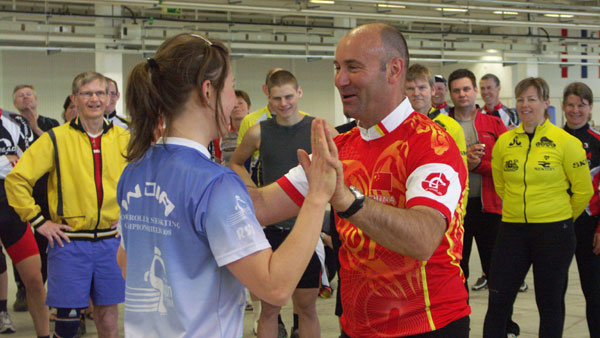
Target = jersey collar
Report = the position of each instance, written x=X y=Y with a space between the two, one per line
x=496 y=108
x=389 y=123
x=541 y=127
x=441 y=106
x=185 y=143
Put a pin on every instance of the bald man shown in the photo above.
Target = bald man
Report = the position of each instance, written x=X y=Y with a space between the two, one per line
x=401 y=247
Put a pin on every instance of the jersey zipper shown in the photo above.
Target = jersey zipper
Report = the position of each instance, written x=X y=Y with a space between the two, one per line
x=99 y=203
x=524 y=176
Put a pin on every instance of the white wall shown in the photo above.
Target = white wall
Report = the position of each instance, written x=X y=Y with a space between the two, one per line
x=52 y=76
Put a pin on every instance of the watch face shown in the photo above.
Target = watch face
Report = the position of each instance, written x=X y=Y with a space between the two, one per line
x=357 y=193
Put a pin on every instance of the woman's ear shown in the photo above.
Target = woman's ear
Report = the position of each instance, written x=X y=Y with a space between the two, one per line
x=206 y=90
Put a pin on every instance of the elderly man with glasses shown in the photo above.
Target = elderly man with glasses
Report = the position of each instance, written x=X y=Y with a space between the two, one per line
x=84 y=160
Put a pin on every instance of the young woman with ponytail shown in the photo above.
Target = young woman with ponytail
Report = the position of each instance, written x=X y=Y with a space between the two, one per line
x=190 y=239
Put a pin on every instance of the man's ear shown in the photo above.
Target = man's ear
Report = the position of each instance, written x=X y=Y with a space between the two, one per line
x=395 y=69
x=299 y=91
x=265 y=89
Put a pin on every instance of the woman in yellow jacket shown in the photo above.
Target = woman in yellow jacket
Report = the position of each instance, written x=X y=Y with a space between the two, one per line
x=541 y=174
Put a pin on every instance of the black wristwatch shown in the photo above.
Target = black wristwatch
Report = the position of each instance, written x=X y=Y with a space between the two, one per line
x=355 y=206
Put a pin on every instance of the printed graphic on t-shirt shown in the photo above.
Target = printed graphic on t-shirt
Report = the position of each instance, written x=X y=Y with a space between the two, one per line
x=158 y=296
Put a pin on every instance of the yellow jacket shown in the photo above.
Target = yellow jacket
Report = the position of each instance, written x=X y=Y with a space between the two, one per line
x=533 y=178
x=72 y=195
x=453 y=128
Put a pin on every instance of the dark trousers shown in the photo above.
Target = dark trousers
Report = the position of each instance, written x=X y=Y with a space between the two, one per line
x=483 y=226
x=457 y=329
x=589 y=270
x=549 y=247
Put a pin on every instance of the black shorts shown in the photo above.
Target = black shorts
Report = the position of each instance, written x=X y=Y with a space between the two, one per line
x=15 y=234
x=311 y=279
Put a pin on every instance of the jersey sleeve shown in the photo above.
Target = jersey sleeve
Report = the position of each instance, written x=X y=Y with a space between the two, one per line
x=227 y=218
x=437 y=175
x=497 y=173
x=436 y=185
x=577 y=171
x=244 y=126
x=295 y=184
x=36 y=161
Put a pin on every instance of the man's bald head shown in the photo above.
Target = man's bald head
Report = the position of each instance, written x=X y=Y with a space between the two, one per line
x=371 y=62
x=392 y=41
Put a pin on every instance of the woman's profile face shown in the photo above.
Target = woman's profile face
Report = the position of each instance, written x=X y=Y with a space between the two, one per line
x=227 y=99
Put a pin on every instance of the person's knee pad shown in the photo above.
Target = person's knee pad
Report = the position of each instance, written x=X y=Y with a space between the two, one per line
x=67 y=322
x=2 y=262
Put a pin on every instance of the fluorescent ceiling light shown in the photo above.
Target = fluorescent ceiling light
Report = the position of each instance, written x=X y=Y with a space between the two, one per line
x=491 y=58
x=550 y=15
x=462 y=10
x=491 y=50
x=505 y=13
x=390 y=6
x=327 y=2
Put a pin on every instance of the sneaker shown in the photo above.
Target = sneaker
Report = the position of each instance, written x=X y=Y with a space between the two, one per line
x=294 y=333
x=481 y=283
x=81 y=330
x=523 y=287
x=20 y=304
x=6 y=324
x=281 y=332
x=511 y=335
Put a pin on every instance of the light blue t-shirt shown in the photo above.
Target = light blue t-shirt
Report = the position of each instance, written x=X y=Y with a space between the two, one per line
x=183 y=218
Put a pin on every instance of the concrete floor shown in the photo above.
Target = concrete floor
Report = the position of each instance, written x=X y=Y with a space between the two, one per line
x=525 y=311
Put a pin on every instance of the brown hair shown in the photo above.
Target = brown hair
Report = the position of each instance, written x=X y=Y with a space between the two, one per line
x=418 y=71
x=394 y=43
x=158 y=88
x=490 y=76
x=540 y=85
x=579 y=89
x=85 y=78
x=459 y=74
x=270 y=72
x=244 y=96
x=280 y=78
x=113 y=82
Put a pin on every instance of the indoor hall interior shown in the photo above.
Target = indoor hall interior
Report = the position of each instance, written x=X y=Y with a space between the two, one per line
x=47 y=43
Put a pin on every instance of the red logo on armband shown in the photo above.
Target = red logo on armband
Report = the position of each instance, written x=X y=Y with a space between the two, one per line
x=436 y=184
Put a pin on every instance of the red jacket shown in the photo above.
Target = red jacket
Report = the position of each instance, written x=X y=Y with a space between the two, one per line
x=489 y=128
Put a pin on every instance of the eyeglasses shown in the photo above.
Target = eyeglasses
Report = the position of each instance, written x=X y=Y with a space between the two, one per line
x=88 y=95
x=23 y=94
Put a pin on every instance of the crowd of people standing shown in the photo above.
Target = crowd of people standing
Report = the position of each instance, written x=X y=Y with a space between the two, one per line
x=144 y=210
